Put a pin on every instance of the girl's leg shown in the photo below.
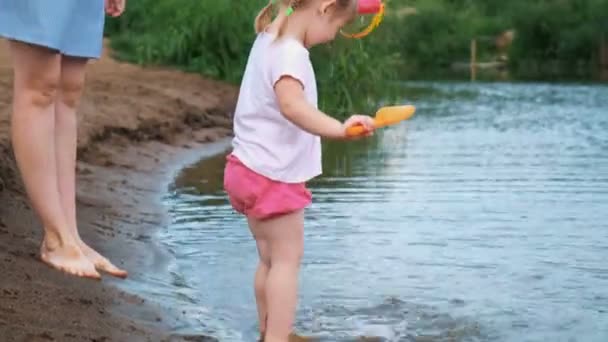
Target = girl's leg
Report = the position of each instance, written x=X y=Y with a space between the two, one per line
x=37 y=75
x=261 y=274
x=285 y=237
x=71 y=85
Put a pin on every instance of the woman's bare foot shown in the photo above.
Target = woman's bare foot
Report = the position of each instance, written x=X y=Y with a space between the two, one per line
x=101 y=263
x=67 y=258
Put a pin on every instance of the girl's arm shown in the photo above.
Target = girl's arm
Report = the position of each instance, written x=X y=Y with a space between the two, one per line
x=295 y=107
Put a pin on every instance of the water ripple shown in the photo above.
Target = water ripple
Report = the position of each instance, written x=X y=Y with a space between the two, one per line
x=484 y=218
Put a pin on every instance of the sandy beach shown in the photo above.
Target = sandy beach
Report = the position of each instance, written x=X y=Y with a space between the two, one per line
x=137 y=127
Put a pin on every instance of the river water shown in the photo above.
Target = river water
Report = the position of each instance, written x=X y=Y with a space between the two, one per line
x=483 y=218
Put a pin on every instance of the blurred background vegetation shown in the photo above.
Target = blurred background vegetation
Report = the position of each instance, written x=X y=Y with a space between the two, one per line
x=549 y=40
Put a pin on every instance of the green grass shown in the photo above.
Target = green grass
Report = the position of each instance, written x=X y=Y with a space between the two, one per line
x=213 y=38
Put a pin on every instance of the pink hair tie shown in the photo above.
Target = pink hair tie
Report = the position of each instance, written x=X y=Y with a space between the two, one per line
x=369 y=6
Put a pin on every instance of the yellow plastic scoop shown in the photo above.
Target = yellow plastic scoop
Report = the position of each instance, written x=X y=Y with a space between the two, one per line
x=385 y=116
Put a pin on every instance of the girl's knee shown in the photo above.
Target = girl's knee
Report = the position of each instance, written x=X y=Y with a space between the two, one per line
x=291 y=253
x=263 y=251
x=297 y=256
x=265 y=261
x=297 y=249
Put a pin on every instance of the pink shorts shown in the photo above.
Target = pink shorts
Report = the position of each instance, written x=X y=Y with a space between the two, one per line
x=259 y=197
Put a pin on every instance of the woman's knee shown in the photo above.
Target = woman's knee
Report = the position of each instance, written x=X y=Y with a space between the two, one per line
x=71 y=90
x=41 y=91
x=37 y=74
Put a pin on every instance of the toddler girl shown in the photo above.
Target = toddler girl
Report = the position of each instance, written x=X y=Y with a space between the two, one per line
x=277 y=146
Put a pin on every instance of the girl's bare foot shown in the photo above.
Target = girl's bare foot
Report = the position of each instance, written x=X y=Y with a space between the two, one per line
x=293 y=337
x=101 y=263
x=67 y=258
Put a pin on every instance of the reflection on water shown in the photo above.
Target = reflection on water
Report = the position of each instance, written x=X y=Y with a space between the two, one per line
x=484 y=218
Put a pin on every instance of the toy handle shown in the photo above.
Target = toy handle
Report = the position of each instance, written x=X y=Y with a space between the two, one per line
x=356 y=130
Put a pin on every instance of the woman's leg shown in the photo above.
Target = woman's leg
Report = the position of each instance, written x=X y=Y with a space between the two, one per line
x=285 y=238
x=37 y=75
x=71 y=85
x=261 y=274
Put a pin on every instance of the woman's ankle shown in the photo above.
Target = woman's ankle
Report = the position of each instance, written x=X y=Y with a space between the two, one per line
x=54 y=240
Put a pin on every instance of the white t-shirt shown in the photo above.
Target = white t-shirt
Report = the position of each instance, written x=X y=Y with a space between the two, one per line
x=265 y=141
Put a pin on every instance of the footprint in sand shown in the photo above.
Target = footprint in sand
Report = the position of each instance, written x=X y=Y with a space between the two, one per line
x=10 y=293
x=42 y=337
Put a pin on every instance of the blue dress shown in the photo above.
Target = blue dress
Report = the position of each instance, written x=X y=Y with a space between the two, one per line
x=71 y=27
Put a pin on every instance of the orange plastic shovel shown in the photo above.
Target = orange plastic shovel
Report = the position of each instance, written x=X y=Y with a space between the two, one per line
x=385 y=116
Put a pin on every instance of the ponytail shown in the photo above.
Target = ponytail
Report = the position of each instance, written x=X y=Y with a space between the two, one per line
x=264 y=18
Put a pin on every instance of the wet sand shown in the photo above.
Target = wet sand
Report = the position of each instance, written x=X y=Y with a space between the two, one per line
x=137 y=127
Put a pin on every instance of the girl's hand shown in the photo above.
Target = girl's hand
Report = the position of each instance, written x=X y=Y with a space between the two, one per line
x=115 y=8
x=366 y=121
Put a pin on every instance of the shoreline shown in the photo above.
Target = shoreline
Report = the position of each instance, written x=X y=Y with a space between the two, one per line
x=137 y=128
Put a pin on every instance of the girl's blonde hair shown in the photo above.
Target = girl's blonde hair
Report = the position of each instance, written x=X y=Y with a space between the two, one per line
x=264 y=18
